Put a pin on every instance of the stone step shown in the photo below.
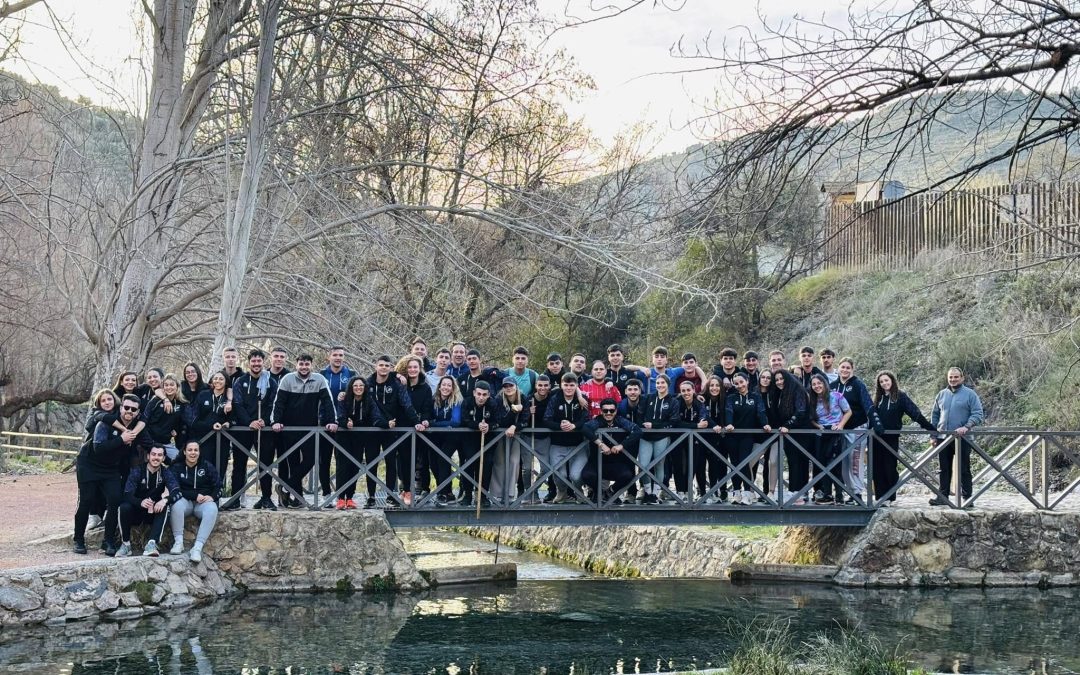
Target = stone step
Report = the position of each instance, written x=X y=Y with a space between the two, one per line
x=471 y=574
x=818 y=574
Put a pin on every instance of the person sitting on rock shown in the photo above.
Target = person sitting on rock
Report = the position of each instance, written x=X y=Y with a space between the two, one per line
x=200 y=487
x=149 y=491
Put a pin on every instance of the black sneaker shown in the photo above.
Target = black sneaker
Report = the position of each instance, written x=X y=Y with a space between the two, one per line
x=234 y=506
x=79 y=547
x=109 y=549
x=938 y=501
x=370 y=503
x=820 y=498
x=549 y=498
x=443 y=500
x=650 y=499
x=261 y=504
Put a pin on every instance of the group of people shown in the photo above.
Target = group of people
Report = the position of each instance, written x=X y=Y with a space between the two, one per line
x=635 y=417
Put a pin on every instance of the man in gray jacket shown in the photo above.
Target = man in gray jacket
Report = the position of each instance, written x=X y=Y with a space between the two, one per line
x=956 y=409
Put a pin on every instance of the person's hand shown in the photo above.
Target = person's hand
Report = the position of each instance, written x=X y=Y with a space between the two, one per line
x=702 y=424
x=962 y=431
x=217 y=426
x=128 y=436
x=228 y=407
x=167 y=407
x=604 y=449
x=332 y=427
x=616 y=449
x=511 y=431
x=608 y=386
x=202 y=499
x=783 y=430
x=147 y=503
x=256 y=425
x=767 y=429
x=278 y=426
x=341 y=396
x=348 y=424
x=517 y=407
x=159 y=506
x=730 y=427
x=419 y=427
x=646 y=425
x=391 y=424
x=401 y=378
x=532 y=409
x=483 y=426
x=566 y=425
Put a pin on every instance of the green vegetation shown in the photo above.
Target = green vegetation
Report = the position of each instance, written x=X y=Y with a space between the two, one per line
x=749 y=532
x=377 y=583
x=770 y=648
x=345 y=586
x=144 y=591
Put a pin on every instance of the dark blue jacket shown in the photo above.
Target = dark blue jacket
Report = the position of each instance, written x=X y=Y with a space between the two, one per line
x=862 y=408
x=247 y=403
x=141 y=484
x=745 y=412
x=201 y=479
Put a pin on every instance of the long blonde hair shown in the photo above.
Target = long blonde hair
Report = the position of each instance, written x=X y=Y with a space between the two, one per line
x=179 y=392
x=455 y=394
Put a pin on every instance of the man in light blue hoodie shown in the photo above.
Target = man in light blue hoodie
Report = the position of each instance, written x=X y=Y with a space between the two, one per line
x=956 y=410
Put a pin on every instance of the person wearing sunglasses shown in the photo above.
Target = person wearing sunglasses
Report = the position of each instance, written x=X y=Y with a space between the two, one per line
x=612 y=438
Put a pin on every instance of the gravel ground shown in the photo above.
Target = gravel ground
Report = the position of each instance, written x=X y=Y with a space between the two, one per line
x=34 y=507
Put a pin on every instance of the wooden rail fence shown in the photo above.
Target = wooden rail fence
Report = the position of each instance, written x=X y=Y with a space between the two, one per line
x=1023 y=221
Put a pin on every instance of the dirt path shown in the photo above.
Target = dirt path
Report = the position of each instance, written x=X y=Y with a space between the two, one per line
x=33 y=507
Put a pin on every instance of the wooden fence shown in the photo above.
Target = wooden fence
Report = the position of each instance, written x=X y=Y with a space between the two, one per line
x=1024 y=222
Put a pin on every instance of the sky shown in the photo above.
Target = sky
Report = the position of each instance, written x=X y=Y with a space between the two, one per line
x=630 y=57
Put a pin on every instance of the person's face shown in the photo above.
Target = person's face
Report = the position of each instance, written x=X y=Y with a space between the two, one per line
x=413 y=369
x=633 y=392
x=155 y=458
x=231 y=358
x=885 y=382
x=419 y=349
x=190 y=374
x=457 y=354
x=255 y=364
x=521 y=361
x=129 y=410
x=153 y=378
x=687 y=391
x=277 y=360
x=555 y=366
x=446 y=389
x=191 y=453
x=107 y=403
x=780 y=379
x=715 y=388
x=599 y=372
x=728 y=362
x=689 y=364
x=750 y=364
x=303 y=368
x=577 y=364
x=807 y=359
x=358 y=389
x=661 y=387
x=442 y=360
x=474 y=362
x=955 y=378
x=827 y=361
x=382 y=368
x=129 y=382
x=569 y=389
x=217 y=382
x=169 y=387
x=776 y=362
x=765 y=380
x=615 y=359
x=337 y=357
x=846 y=370
x=817 y=386
x=543 y=389
x=510 y=390
x=659 y=360
x=608 y=412
x=742 y=385
x=481 y=396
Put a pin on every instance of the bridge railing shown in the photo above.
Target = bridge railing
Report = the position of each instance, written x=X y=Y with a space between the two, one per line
x=1017 y=462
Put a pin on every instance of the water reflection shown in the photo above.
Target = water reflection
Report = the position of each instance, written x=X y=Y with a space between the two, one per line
x=602 y=626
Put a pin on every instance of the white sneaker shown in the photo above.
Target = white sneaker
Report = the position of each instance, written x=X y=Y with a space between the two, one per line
x=177 y=546
x=124 y=551
x=195 y=555
x=150 y=550
x=93 y=522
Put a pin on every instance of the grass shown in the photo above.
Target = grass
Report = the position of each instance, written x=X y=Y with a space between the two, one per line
x=749 y=532
x=768 y=647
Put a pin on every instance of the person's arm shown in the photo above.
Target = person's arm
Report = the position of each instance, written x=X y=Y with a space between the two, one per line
x=241 y=415
x=729 y=412
x=131 y=485
x=759 y=408
x=327 y=406
x=455 y=416
x=549 y=413
x=913 y=412
x=172 y=485
x=868 y=406
x=976 y=416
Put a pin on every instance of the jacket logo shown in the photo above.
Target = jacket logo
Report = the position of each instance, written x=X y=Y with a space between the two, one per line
x=388 y=389
x=200 y=472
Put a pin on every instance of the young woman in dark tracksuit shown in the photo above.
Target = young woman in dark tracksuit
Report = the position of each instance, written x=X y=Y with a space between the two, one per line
x=659 y=414
x=446 y=415
x=209 y=415
x=356 y=411
x=412 y=367
x=892 y=405
x=715 y=400
x=690 y=413
x=105 y=408
x=744 y=409
x=770 y=451
x=793 y=413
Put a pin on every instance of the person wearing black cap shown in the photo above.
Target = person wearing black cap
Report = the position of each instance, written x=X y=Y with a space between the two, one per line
x=507 y=463
x=481 y=413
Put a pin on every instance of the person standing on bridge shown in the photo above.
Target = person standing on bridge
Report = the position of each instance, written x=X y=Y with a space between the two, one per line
x=744 y=409
x=892 y=405
x=566 y=414
x=357 y=413
x=957 y=409
x=613 y=437
x=659 y=415
x=253 y=396
x=792 y=405
x=303 y=400
x=863 y=416
x=480 y=412
x=832 y=411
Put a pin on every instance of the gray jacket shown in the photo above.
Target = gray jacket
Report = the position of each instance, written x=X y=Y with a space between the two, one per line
x=955 y=409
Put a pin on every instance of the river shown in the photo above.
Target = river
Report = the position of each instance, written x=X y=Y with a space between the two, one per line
x=553 y=620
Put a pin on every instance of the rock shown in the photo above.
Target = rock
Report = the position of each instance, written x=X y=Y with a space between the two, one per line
x=107 y=601
x=86 y=589
x=933 y=556
x=158 y=573
x=130 y=599
x=20 y=599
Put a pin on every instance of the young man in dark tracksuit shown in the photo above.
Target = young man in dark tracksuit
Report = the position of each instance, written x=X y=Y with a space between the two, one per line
x=480 y=412
x=253 y=397
x=396 y=407
x=566 y=414
x=103 y=464
x=863 y=415
x=303 y=400
x=612 y=437
x=150 y=490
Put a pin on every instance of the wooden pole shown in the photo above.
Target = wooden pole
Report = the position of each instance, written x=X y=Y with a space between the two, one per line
x=480 y=481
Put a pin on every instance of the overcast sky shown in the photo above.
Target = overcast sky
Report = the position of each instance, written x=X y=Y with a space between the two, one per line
x=624 y=54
